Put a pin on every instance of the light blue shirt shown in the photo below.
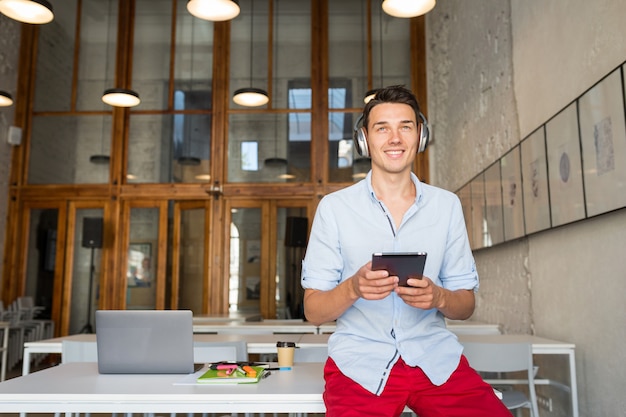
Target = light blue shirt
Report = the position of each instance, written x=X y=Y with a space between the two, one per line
x=349 y=226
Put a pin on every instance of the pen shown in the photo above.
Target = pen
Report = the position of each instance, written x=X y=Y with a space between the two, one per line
x=282 y=368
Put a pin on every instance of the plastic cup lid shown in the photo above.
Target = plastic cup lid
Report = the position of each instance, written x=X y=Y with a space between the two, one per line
x=285 y=344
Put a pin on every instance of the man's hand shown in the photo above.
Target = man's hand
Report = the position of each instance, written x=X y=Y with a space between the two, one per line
x=421 y=293
x=373 y=285
x=425 y=294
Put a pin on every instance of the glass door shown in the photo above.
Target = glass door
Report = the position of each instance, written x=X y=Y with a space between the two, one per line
x=267 y=241
x=63 y=261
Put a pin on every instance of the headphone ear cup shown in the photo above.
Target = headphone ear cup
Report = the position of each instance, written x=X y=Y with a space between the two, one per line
x=360 y=138
x=424 y=134
x=360 y=142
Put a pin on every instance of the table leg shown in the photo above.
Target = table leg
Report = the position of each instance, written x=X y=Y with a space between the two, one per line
x=26 y=362
x=573 y=383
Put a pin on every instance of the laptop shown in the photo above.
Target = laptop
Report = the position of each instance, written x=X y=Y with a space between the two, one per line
x=144 y=341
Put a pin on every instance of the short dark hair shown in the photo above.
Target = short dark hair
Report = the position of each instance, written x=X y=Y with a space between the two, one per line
x=392 y=94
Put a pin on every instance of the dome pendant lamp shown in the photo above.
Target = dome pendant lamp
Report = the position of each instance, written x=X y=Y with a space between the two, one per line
x=37 y=12
x=370 y=94
x=213 y=10
x=121 y=97
x=5 y=99
x=407 y=8
x=250 y=96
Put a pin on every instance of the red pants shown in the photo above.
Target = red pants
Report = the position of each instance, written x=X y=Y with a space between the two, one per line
x=465 y=394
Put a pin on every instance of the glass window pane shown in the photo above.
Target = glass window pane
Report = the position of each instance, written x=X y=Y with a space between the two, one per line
x=96 y=60
x=347 y=47
x=55 y=60
x=394 y=50
x=283 y=143
x=149 y=150
x=86 y=272
x=292 y=231
x=169 y=148
x=291 y=50
x=151 y=52
x=245 y=260
x=344 y=164
x=42 y=250
x=62 y=148
x=191 y=271
x=142 y=258
x=193 y=67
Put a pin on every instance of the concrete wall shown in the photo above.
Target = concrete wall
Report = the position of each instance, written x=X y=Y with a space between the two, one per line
x=497 y=71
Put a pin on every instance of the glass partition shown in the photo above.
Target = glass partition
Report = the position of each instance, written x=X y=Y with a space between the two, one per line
x=142 y=258
x=245 y=260
x=191 y=260
x=70 y=150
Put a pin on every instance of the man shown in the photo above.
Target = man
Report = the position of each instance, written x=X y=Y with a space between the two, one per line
x=391 y=347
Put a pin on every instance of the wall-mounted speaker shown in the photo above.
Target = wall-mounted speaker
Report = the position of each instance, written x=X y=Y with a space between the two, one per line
x=296 y=232
x=15 y=136
x=92 y=232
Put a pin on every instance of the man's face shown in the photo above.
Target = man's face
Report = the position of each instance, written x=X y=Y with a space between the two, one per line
x=392 y=136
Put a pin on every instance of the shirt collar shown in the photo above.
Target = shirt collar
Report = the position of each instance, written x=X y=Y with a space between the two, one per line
x=419 y=190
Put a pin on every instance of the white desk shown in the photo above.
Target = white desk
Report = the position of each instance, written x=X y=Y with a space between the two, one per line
x=77 y=387
x=260 y=326
x=233 y=317
x=540 y=346
x=256 y=343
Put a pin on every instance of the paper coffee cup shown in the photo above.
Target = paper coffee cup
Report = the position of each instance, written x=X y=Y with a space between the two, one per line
x=285 y=354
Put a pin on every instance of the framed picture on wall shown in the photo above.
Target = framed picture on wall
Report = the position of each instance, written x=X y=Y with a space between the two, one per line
x=465 y=195
x=477 y=190
x=512 y=204
x=140 y=265
x=494 y=232
x=603 y=138
x=567 y=202
x=535 y=182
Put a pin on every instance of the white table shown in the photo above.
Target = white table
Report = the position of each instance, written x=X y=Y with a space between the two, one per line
x=540 y=346
x=261 y=326
x=256 y=343
x=77 y=387
x=235 y=317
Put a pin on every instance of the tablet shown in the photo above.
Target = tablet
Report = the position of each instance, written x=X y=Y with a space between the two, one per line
x=403 y=264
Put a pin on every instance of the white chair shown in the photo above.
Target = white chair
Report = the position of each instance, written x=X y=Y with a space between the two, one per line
x=311 y=354
x=502 y=358
x=77 y=351
x=208 y=352
x=5 y=327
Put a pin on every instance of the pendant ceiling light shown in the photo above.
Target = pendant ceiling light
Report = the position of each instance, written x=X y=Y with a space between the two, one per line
x=408 y=8
x=214 y=10
x=5 y=99
x=250 y=96
x=116 y=97
x=102 y=158
x=121 y=97
x=369 y=95
x=35 y=12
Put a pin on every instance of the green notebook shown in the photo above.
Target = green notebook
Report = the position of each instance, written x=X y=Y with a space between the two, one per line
x=215 y=376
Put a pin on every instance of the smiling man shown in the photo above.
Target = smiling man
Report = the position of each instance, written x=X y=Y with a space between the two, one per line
x=391 y=348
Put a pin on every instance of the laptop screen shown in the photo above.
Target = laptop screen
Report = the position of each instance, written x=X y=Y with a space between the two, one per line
x=144 y=341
